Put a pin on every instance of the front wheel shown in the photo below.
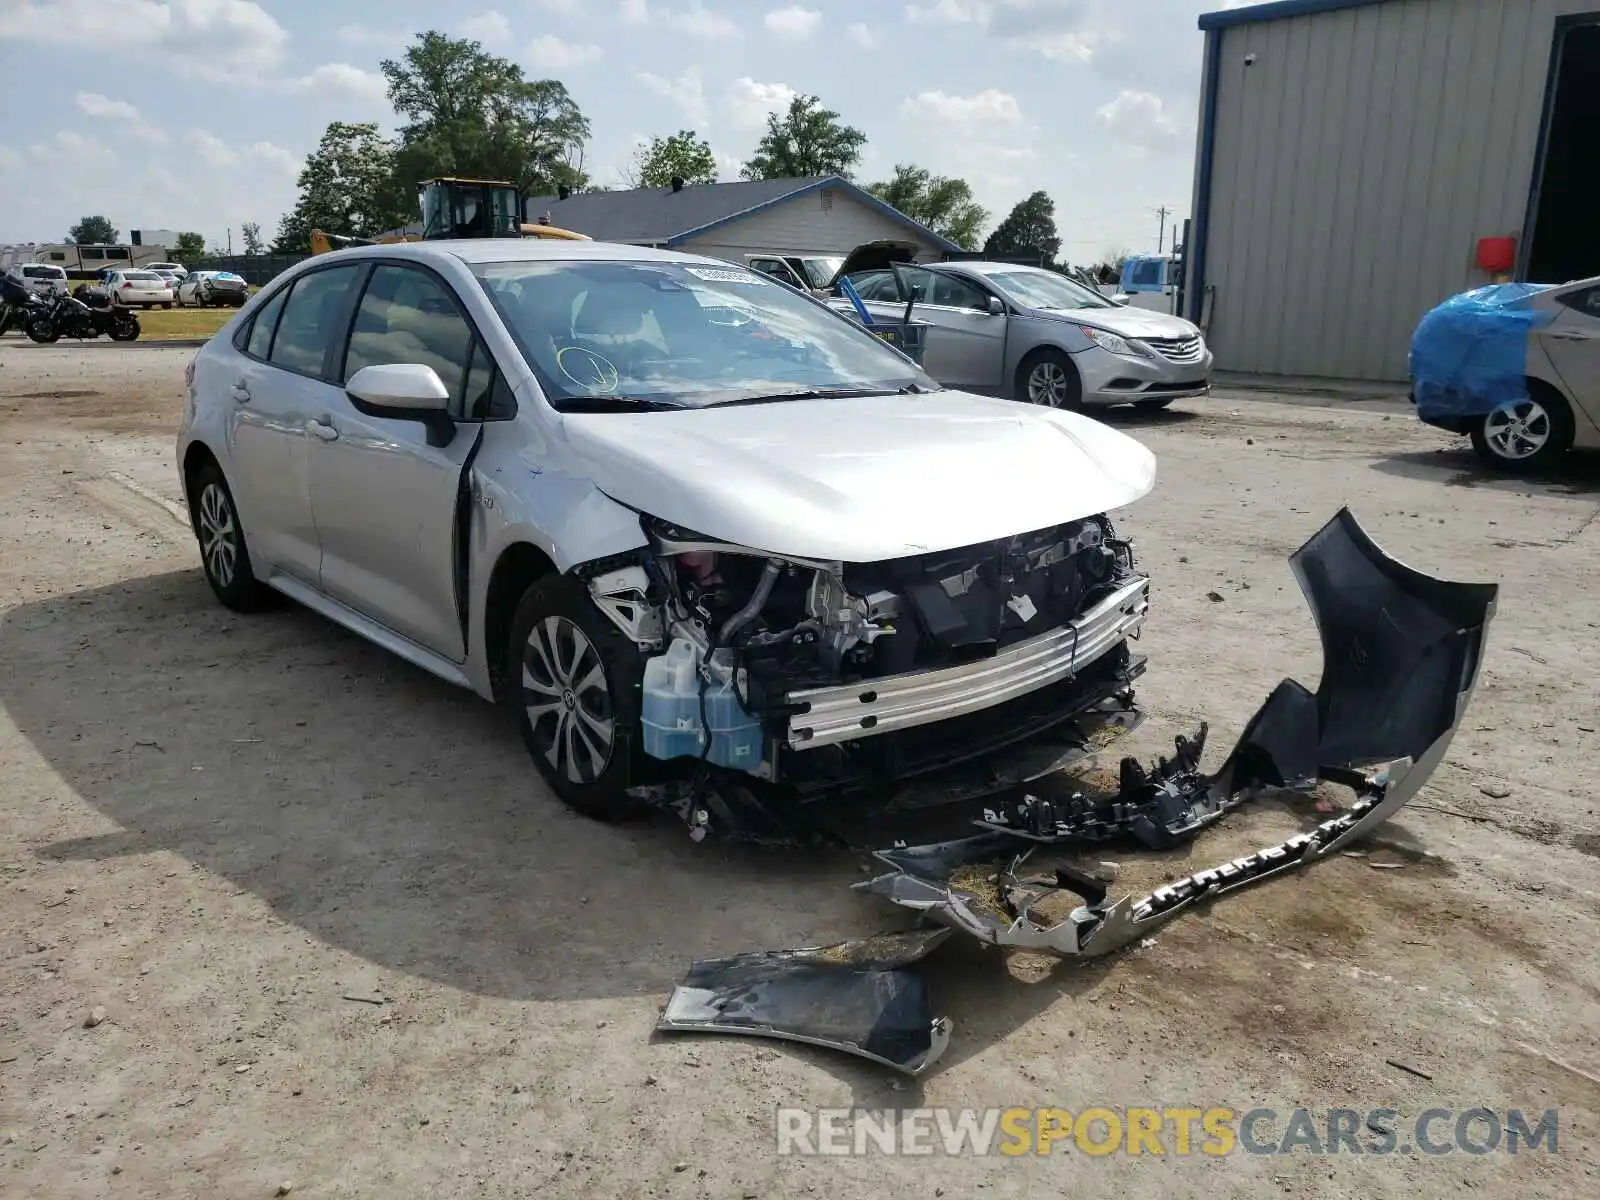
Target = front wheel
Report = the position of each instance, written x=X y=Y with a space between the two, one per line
x=1049 y=378
x=577 y=694
x=43 y=330
x=124 y=328
x=1525 y=435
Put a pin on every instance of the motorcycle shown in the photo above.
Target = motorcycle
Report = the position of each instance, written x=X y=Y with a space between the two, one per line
x=18 y=305
x=86 y=314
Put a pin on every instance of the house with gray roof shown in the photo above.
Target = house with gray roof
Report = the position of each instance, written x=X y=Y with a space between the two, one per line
x=823 y=215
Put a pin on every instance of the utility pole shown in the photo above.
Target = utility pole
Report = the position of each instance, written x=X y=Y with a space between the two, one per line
x=230 y=241
x=1161 y=239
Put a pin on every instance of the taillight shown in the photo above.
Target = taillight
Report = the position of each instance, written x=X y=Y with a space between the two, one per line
x=127 y=287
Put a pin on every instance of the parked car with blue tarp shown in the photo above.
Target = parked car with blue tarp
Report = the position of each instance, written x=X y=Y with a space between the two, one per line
x=1515 y=367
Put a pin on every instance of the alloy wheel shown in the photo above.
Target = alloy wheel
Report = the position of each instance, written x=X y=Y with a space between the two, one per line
x=219 y=534
x=568 y=700
x=1048 y=385
x=1518 y=430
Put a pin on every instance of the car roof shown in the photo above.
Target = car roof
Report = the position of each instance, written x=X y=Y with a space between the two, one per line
x=532 y=249
x=992 y=268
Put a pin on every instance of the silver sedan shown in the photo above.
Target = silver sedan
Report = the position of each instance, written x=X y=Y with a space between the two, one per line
x=1036 y=335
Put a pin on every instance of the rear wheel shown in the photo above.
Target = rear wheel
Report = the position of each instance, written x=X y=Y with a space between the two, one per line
x=1525 y=435
x=124 y=327
x=577 y=694
x=223 y=553
x=1049 y=378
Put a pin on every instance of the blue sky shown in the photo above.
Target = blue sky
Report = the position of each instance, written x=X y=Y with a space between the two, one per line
x=196 y=114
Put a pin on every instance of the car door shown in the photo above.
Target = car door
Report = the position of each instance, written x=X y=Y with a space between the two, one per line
x=1572 y=341
x=278 y=384
x=967 y=347
x=384 y=493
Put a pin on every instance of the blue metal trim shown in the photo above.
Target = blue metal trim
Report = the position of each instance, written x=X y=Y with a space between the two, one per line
x=1277 y=11
x=1200 y=234
x=831 y=181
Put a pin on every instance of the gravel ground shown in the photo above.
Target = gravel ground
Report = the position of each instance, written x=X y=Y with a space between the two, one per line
x=215 y=830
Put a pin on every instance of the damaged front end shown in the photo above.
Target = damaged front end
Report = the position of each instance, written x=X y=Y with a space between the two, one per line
x=1401 y=653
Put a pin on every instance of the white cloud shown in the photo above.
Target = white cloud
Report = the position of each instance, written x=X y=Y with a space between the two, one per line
x=695 y=20
x=794 y=22
x=728 y=166
x=218 y=153
x=220 y=40
x=93 y=104
x=862 y=35
x=687 y=91
x=567 y=8
x=10 y=160
x=1142 y=119
x=344 y=81
x=1055 y=29
x=750 y=103
x=987 y=107
x=549 y=53
x=491 y=28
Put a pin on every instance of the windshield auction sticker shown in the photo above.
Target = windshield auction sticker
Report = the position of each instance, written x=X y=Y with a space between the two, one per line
x=719 y=275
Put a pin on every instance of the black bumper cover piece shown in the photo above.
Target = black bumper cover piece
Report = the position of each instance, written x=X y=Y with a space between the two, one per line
x=860 y=997
x=1401 y=654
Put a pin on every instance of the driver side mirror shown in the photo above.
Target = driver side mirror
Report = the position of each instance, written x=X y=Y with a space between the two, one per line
x=997 y=306
x=404 y=392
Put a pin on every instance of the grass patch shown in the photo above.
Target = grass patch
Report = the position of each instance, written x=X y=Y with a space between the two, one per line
x=177 y=324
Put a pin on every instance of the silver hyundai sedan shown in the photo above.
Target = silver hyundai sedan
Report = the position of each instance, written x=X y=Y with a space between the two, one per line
x=1035 y=335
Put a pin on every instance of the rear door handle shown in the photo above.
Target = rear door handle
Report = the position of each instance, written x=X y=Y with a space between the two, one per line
x=323 y=428
x=241 y=393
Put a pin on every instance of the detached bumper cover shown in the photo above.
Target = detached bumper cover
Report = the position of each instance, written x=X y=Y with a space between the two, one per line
x=861 y=710
x=859 y=997
x=1401 y=654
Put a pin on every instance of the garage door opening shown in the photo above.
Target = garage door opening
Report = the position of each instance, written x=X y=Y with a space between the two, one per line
x=1566 y=233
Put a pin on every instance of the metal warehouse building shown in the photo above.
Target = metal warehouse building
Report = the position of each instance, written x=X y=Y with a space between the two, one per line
x=1361 y=160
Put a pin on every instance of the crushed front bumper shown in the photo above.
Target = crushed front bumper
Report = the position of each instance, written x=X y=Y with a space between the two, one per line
x=1401 y=653
x=828 y=716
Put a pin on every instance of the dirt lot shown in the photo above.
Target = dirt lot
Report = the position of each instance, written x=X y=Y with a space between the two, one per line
x=219 y=829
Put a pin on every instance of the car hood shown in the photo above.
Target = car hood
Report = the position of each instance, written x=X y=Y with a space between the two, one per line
x=1128 y=322
x=862 y=480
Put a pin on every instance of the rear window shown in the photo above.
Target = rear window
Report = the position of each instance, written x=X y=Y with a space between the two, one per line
x=143 y=276
x=43 y=273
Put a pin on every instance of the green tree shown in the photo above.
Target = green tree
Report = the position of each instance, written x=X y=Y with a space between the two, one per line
x=682 y=156
x=806 y=140
x=92 y=230
x=347 y=187
x=473 y=114
x=944 y=205
x=250 y=234
x=1030 y=229
x=190 y=246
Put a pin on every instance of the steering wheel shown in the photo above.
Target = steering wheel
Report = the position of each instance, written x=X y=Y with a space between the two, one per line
x=590 y=370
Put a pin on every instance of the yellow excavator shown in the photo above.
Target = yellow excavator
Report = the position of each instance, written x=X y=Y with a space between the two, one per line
x=458 y=208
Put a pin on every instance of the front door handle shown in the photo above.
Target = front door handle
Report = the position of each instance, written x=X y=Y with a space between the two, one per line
x=241 y=393
x=1570 y=337
x=323 y=428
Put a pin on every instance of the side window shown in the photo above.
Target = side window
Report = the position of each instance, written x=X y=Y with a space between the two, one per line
x=408 y=316
x=311 y=319
x=1587 y=302
x=488 y=396
x=266 y=320
x=958 y=293
x=916 y=281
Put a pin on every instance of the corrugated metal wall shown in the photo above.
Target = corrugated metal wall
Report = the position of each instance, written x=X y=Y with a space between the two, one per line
x=1356 y=165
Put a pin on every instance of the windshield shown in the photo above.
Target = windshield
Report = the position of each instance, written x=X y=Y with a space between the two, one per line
x=630 y=334
x=821 y=271
x=1046 y=289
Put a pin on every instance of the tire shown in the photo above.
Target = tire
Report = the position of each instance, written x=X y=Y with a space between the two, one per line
x=224 y=556
x=1525 y=435
x=125 y=330
x=1049 y=377
x=167 y=305
x=1153 y=405
x=43 y=331
x=556 y=626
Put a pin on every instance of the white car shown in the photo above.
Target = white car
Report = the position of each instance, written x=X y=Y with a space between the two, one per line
x=560 y=475
x=178 y=269
x=172 y=278
x=205 y=288
x=138 y=288
x=42 y=279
